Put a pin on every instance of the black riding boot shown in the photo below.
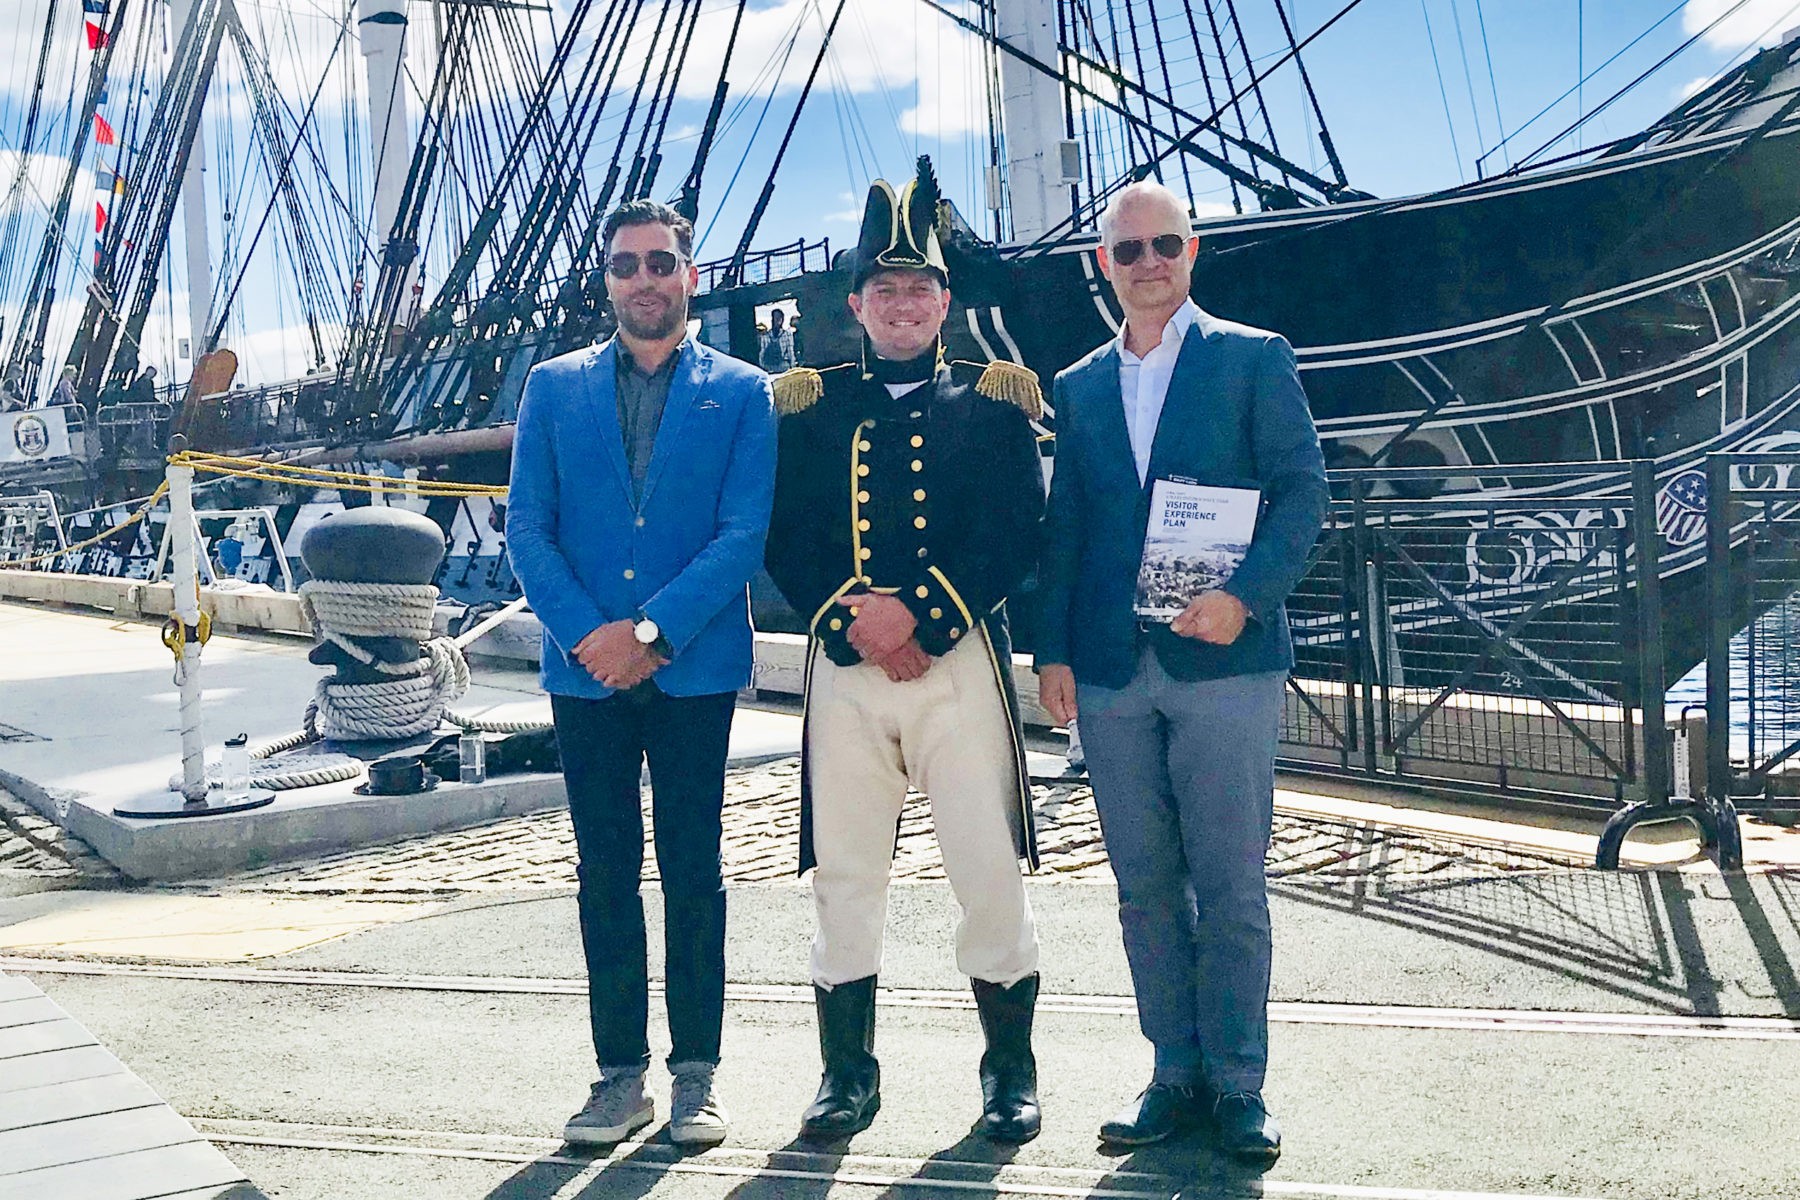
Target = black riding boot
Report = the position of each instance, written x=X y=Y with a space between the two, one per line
x=1009 y=1100
x=850 y=1092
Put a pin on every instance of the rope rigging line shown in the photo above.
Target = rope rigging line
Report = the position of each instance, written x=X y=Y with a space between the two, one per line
x=1063 y=230
x=321 y=477
x=768 y=191
x=1331 y=154
x=1443 y=92
x=1679 y=7
x=1494 y=86
x=142 y=512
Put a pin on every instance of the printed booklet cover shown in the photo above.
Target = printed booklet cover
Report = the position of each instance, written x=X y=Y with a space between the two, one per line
x=1196 y=538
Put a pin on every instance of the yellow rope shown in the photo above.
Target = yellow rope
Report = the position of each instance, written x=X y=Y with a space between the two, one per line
x=133 y=519
x=277 y=472
x=274 y=472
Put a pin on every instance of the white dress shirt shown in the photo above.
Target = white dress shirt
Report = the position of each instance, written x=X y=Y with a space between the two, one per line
x=1144 y=383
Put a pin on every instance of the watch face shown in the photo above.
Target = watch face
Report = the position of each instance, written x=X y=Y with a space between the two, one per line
x=646 y=631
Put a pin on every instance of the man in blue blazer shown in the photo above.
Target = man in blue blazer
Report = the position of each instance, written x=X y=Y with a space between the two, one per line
x=643 y=474
x=1179 y=721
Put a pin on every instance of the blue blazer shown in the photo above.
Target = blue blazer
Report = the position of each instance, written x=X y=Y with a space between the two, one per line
x=1235 y=416
x=683 y=555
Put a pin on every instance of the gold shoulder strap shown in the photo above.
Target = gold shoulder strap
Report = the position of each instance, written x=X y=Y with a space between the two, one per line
x=1013 y=384
x=797 y=390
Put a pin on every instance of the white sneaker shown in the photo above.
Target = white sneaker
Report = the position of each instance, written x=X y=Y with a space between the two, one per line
x=696 y=1118
x=616 y=1108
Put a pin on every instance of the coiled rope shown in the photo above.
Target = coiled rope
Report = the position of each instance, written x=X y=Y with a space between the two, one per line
x=412 y=697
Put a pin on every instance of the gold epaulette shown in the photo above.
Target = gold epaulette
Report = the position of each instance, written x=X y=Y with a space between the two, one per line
x=799 y=388
x=1014 y=384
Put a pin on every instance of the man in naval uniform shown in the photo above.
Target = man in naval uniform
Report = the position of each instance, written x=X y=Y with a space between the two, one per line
x=907 y=498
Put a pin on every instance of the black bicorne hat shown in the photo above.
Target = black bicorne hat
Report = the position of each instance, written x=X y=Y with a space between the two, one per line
x=902 y=231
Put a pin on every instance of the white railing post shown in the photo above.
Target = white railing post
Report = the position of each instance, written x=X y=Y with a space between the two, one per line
x=187 y=610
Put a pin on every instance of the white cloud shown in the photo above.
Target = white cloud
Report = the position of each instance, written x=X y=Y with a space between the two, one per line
x=272 y=355
x=1692 y=87
x=879 y=46
x=1765 y=20
x=850 y=214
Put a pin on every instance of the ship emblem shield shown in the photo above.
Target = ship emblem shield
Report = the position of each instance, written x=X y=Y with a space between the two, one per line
x=31 y=436
x=1681 y=508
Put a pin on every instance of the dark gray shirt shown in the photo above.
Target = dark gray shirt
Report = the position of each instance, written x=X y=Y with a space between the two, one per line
x=641 y=401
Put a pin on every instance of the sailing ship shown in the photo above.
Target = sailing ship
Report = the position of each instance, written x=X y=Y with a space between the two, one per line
x=1635 y=298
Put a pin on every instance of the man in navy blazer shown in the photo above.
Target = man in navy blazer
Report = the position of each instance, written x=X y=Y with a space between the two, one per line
x=1179 y=721
x=642 y=479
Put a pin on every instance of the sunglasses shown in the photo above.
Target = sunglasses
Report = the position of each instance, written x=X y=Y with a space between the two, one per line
x=1166 y=245
x=660 y=263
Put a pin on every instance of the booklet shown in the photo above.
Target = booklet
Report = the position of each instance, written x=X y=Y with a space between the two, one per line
x=1196 y=538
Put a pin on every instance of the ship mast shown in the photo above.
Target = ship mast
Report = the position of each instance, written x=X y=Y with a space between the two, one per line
x=1039 y=182
x=194 y=217
x=381 y=26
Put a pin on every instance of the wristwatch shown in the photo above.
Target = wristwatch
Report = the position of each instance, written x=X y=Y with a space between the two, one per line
x=649 y=633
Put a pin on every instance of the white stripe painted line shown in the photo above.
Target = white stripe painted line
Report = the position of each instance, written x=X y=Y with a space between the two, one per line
x=863 y=1170
x=1389 y=1016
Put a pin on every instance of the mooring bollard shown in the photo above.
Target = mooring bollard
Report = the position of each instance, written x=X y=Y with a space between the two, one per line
x=185 y=634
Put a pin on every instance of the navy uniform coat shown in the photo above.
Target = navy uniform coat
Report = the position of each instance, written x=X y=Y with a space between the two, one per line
x=934 y=496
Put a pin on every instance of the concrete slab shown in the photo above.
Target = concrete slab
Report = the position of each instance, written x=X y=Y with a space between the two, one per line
x=75 y=1124
x=98 y=723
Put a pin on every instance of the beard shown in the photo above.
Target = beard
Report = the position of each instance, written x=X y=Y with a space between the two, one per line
x=652 y=328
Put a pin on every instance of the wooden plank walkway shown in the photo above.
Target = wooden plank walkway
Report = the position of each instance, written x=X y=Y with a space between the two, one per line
x=75 y=1122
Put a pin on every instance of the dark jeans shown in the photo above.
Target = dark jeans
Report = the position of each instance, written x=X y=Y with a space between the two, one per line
x=604 y=745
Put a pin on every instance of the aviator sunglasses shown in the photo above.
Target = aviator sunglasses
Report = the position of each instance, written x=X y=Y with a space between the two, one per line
x=1167 y=245
x=624 y=264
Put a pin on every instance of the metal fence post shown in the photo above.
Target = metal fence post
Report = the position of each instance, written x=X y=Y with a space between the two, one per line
x=1646 y=537
x=1720 y=817
x=1359 y=543
x=1657 y=804
x=1718 y=625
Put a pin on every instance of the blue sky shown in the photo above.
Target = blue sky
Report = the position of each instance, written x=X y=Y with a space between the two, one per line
x=902 y=80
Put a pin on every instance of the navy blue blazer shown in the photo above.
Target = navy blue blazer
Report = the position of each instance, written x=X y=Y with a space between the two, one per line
x=683 y=554
x=1235 y=416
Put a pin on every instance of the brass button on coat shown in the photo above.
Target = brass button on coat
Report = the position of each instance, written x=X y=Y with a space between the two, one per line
x=862 y=497
x=863 y=524
x=630 y=574
x=916 y=465
x=919 y=495
x=863 y=468
x=917 y=441
x=918 y=522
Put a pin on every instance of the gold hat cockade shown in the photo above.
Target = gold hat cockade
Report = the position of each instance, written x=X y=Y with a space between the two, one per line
x=904 y=231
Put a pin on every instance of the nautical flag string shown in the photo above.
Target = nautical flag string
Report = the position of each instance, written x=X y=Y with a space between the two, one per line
x=97 y=7
x=103 y=133
x=96 y=37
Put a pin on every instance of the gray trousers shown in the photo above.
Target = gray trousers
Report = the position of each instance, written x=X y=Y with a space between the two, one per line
x=1184 y=779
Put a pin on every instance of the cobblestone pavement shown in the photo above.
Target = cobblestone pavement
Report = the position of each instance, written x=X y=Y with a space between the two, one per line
x=761 y=844
x=34 y=847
